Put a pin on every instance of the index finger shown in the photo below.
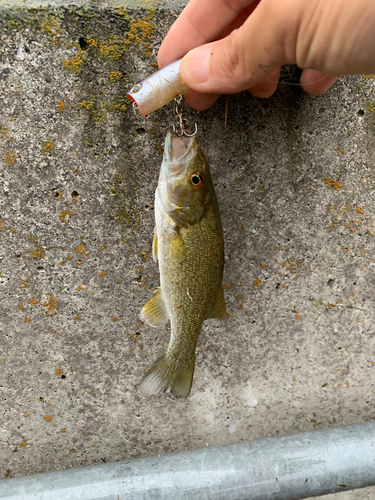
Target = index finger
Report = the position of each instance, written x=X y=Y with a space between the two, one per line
x=200 y=22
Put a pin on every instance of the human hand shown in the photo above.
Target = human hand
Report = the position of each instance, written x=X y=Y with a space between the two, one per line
x=242 y=44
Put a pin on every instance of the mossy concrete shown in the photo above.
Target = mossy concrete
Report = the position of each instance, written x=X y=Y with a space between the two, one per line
x=78 y=169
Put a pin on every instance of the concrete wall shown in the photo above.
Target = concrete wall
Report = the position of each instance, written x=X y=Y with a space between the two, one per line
x=78 y=170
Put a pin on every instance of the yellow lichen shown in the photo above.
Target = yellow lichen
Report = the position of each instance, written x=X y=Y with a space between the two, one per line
x=64 y=214
x=141 y=31
x=118 y=105
x=331 y=183
x=51 y=305
x=61 y=106
x=4 y=132
x=99 y=116
x=37 y=254
x=49 y=26
x=114 y=49
x=73 y=65
x=87 y=104
x=371 y=107
x=10 y=157
x=91 y=42
x=24 y=284
x=115 y=76
x=81 y=249
x=47 y=147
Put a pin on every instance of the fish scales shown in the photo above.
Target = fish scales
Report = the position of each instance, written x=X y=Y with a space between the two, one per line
x=188 y=243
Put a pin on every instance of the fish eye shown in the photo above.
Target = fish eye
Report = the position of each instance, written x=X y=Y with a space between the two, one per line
x=136 y=89
x=196 y=180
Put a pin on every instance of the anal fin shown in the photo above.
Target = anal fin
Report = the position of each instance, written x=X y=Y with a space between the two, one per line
x=219 y=311
x=154 y=312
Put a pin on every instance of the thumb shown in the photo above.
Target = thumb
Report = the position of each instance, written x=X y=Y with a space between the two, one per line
x=248 y=55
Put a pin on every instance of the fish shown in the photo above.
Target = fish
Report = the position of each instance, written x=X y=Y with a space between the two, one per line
x=158 y=89
x=188 y=245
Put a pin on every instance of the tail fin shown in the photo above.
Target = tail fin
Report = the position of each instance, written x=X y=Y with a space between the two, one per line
x=165 y=374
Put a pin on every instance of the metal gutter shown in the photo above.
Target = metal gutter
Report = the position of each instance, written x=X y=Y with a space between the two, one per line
x=279 y=468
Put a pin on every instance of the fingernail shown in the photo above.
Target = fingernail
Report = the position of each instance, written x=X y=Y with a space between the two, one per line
x=195 y=65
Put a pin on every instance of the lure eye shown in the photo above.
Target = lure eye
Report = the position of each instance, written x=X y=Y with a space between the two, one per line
x=136 y=89
x=196 y=180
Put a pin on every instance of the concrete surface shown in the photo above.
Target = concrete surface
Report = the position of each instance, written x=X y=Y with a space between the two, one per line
x=88 y=4
x=78 y=173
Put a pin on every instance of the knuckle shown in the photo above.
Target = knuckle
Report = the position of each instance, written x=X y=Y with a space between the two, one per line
x=237 y=60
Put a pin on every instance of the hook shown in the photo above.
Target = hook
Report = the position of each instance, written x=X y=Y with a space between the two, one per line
x=178 y=110
x=135 y=106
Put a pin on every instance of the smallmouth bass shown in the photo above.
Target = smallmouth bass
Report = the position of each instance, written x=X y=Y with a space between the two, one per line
x=188 y=243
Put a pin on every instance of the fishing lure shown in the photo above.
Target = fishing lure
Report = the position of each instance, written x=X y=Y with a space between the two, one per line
x=158 y=89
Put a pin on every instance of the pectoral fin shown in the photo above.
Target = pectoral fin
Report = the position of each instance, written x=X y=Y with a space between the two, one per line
x=154 y=312
x=155 y=246
x=219 y=310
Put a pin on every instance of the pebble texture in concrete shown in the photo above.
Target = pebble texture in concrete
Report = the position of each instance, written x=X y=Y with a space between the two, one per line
x=78 y=170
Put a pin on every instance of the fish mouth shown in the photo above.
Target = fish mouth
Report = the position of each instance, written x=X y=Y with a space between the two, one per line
x=179 y=150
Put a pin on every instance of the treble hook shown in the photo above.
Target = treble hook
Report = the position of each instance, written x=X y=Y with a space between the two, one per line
x=135 y=106
x=178 y=111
